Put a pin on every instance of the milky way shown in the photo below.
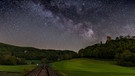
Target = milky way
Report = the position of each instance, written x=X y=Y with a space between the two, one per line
x=64 y=24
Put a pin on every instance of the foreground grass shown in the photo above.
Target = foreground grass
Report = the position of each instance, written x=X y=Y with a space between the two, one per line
x=90 y=67
x=17 y=68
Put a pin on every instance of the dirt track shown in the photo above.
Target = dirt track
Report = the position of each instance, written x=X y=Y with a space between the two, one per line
x=42 y=71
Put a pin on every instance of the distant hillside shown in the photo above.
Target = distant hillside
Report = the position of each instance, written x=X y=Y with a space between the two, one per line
x=9 y=47
x=121 y=49
x=31 y=53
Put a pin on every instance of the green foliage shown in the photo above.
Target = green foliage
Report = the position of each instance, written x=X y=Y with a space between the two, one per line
x=121 y=49
x=11 y=60
x=58 y=56
x=8 y=60
x=30 y=53
x=126 y=58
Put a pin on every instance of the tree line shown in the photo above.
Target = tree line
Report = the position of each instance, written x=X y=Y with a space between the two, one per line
x=13 y=55
x=121 y=50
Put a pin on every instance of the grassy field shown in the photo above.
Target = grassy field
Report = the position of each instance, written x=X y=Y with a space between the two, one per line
x=91 y=67
x=17 y=70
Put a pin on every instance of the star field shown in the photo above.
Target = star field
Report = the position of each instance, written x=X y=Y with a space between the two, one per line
x=64 y=24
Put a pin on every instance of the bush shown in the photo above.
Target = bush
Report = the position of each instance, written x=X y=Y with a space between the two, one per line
x=125 y=58
x=11 y=60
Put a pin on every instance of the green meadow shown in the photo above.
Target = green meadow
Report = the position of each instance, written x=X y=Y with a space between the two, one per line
x=91 y=67
x=18 y=70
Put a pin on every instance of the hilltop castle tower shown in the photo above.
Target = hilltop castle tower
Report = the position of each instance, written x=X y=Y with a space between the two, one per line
x=109 y=38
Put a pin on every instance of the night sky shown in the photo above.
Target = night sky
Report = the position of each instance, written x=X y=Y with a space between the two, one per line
x=64 y=24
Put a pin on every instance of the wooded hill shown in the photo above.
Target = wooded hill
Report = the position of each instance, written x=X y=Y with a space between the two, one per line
x=13 y=55
x=121 y=49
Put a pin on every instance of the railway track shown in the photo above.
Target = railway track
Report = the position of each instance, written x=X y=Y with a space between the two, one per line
x=42 y=71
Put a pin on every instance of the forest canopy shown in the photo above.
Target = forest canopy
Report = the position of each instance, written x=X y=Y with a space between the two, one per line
x=121 y=49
